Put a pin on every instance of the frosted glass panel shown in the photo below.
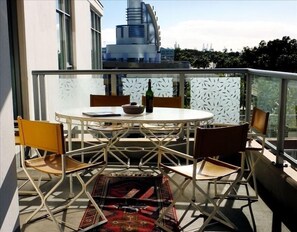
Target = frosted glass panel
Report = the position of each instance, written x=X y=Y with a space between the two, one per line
x=75 y=91
x=221 y=96
x=136 y=87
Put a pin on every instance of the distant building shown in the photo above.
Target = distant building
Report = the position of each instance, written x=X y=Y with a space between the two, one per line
x=167 y=54
x=139 y=41
x=138 y=47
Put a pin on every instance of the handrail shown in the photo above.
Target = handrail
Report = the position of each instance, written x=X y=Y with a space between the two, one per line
x=139 y=71
x=274 y=74
x=267 y=73
x=248 y=73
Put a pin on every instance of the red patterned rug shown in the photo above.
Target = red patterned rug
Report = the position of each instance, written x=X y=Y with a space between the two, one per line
x=130 y=203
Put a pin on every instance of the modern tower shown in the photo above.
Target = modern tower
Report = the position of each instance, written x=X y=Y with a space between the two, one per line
x=138 y=41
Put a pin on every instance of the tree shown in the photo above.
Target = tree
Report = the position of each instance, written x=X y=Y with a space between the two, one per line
x=277 y=55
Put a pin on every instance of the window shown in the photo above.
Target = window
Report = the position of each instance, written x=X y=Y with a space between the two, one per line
x=96 y=40
x=64 y=31
x=136 y=31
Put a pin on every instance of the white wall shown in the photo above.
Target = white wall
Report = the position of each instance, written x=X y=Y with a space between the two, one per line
x=40 y=45
x=82 y=34
x=40 y=42
x=9 y=209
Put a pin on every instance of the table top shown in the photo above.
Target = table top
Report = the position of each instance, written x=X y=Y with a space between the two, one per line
x=159 y=115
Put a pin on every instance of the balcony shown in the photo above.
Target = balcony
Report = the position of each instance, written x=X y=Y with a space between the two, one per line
x=228 y=93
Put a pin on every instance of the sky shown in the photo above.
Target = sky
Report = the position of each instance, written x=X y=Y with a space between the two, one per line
x=217 y=24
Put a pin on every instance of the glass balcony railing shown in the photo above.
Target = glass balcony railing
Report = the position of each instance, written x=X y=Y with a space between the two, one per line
x=228 y=93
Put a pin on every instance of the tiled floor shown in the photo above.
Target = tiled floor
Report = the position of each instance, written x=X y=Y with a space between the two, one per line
x=247 y=217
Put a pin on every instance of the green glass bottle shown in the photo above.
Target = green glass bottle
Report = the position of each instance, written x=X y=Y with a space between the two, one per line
x=149 y=98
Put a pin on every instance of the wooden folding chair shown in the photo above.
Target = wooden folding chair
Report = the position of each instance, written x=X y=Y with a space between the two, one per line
x=162 y=134
x=49 y=138
x=110 y=131
x=209 y=142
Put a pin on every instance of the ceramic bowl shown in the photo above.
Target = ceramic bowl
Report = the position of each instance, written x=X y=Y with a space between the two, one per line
x=133 y=108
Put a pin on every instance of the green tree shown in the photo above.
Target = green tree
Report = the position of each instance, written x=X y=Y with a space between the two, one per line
x=277 y=55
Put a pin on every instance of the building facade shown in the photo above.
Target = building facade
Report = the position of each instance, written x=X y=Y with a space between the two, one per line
x=139 y=40
x=38 y=35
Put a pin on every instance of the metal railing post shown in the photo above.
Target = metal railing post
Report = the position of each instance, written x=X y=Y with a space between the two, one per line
x=248 y=98
x=182 y=87
x=281 y=122
x=113 y=82
x=39 y=97
x=43 y=97
x=36 y=102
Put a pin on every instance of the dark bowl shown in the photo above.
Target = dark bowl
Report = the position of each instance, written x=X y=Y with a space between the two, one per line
x=133 y=109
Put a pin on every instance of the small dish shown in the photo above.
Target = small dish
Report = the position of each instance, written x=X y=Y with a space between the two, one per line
x=133 y=108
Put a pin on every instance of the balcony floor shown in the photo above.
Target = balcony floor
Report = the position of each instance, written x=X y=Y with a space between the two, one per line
x=255 y=216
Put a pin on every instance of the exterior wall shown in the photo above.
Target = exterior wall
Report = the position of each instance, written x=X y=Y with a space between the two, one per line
x=39 y=46
x=82 y=35
x=9 y=208
x=278 y=186
x=38 y=51
x=82 y=32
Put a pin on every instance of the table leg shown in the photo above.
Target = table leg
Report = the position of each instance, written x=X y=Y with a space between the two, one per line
x=69 y=125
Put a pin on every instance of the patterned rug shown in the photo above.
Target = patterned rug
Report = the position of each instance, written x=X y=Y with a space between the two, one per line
x=130 y=203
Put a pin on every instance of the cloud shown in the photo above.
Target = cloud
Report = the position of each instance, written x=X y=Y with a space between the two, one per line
x=108 y=36
x=195 y=34
x=235 y=35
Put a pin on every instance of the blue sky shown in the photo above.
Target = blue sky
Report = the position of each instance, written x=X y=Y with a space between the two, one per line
x=220 y=24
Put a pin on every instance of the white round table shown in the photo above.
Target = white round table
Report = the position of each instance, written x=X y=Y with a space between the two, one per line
x=159 y=115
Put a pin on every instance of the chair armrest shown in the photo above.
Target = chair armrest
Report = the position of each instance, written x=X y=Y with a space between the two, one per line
x=253 y=145
x=175 y=153
x=85 y=149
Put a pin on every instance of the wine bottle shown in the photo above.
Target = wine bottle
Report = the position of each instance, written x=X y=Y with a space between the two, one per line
x=149 y=98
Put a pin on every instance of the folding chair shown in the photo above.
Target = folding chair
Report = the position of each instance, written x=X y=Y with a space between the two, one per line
x=49 y=138
x=112 y=100
x=255 y=145
x=171 y=102
x=23 y=179
x=209 y=142
x=162 y=134
x=110 y=131
x=256 y=142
